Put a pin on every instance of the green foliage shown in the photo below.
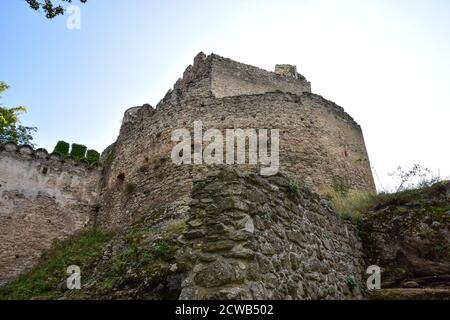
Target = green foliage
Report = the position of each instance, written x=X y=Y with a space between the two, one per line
x=10 y=128
x=44 y=280
x=50 y=9
x=78 y=151
x=62 y=148
x=161 y=248
x=18 y=134
x=137 y=260
x=351 y=283
x=293 y=187
x=92 y=156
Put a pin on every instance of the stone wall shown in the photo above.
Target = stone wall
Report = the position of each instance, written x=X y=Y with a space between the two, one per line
x=230 y=78
x=42 y=198
x=256 y=238
x=319 y=143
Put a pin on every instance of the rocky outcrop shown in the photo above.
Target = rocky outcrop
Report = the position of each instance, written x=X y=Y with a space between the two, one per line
x=408 y=236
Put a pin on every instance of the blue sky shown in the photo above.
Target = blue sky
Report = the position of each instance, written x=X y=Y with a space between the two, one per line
x=386 y=62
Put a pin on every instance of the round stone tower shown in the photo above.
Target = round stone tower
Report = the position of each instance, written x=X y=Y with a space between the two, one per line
x=321 y=146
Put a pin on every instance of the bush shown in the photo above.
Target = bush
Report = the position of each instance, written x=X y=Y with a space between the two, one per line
x=161 y=248
x=62 y=148
x=92 y=156
x=414 y=177
x=293 y=187
x=78 y=151
x=351 y=283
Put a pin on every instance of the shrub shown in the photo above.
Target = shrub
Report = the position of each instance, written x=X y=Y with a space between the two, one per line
x=78 y=151
x=92 y=156
x=62 y=148
x=414 y=177
x=293 y=187
x=161 y=248
x=351 y=283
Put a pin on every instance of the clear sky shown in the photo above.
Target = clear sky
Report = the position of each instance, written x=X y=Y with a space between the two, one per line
x=386 y=62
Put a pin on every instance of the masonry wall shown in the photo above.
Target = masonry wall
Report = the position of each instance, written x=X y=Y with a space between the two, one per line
x=231 y=78
x=42 y=198
x=319 y=144
x=253 y=238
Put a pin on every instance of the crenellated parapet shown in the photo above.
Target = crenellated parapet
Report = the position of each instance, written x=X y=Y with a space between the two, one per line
x=26 y=152
x=43 y=196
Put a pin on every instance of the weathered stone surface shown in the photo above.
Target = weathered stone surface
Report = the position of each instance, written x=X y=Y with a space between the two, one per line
x=408 y=236
x=254 y=265
x=140 y=184
x=217 y=273
x=319 y=141
x=42 y=198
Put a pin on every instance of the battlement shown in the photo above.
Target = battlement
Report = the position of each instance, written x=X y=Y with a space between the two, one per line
x=26 y=152
x=223 y=77
x=42 y=197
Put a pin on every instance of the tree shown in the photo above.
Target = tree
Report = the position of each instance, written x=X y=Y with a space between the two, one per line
x=49 y=7
x=10 y=128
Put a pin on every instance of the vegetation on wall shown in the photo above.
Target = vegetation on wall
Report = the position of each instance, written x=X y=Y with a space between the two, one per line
x=78 y=151
x=62 y=148
x=353 y=204
x=92 y=156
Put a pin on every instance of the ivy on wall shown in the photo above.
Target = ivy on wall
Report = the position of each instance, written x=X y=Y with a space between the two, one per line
x=62 y=148
x=78 y=151
x=92 y=156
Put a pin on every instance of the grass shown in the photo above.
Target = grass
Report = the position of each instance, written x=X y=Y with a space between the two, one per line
x=352 y=205
x=44 y=280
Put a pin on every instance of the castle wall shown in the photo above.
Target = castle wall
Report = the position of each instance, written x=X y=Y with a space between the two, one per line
x=230 y=78
x=42 y=198
x=253 y=238
x=319 y=143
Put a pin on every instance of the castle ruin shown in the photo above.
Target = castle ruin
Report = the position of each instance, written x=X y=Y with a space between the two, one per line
x=45 y=197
